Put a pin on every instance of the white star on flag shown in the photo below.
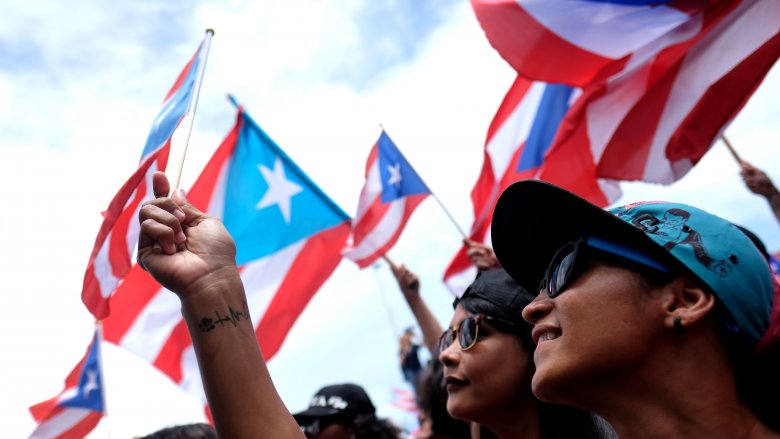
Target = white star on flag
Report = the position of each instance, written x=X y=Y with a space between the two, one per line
x=395 y=174
x=280 y=189
x=91 y=383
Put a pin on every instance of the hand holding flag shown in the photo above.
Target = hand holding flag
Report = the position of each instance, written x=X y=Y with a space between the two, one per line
x=288 y=239
x=110 y=260
x=190 y=249
x=201 y=269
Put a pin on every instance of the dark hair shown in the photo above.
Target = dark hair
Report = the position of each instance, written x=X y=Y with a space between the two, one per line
x=756 y=376
x=756 y=373
x=432 y=401
x=187 y=431
x=556 y=421
x=371 y=427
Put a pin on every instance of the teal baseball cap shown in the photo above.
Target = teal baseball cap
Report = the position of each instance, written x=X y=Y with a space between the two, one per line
x=533 y=219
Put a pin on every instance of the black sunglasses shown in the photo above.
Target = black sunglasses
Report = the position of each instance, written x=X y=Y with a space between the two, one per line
x=467 y=331
x=563 y=268
x=315 y=426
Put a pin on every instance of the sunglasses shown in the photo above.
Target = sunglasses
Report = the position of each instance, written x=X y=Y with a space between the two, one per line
x=467 y=331
x=564 y=266
x=313 y=428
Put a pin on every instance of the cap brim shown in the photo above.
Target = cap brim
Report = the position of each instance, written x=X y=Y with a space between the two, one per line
x=314 y=413
x=533 y=219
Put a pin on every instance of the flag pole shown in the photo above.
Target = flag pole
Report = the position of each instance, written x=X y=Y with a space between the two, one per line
x=181 y=137
x=449 y=215
x=731 y=149
x=390 y=317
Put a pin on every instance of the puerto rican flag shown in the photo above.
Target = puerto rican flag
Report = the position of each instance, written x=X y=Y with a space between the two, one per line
x=289 y=236
x=76 y=410
x=517 y=142
x=391 y=193
x=660 y=79
x=112 y=254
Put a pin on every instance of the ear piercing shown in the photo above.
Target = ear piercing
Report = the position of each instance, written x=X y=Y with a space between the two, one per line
x=677 y=321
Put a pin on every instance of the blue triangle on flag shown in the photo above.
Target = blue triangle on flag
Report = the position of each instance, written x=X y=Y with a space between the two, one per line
x=270 y=202
x=90 y=388
x=398 y=177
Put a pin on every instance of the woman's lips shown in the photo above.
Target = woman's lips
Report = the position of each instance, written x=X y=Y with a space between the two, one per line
x=454 y=384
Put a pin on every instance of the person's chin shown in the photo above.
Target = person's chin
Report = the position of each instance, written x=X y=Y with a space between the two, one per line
x=547 y=385
x=457 y=406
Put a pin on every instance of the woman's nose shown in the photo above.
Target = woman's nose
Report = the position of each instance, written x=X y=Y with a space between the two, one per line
x=450 y=356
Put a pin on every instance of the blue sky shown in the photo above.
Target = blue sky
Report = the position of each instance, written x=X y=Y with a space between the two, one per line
x=81 y=82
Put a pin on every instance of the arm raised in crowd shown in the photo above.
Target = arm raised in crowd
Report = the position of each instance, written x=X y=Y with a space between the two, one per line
x=758 y=182
x=193 y=255
x=409 y=284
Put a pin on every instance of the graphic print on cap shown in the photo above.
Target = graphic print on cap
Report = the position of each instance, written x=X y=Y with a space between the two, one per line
x=673 y=228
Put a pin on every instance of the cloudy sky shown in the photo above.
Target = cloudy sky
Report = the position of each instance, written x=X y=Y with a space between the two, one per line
x=80 y=83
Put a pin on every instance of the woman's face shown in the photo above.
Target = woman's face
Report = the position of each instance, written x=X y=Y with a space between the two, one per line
x=490 y=378
x=596 y=332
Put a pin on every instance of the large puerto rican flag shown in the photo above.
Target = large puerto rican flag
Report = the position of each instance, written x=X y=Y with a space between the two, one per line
x=76 y=410
x=660 y=79
x=289 y=236
x=112 y=254
x=517 y=142
x=391 y=193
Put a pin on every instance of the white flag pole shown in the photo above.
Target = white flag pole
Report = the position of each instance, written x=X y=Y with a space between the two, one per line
x=181 y=137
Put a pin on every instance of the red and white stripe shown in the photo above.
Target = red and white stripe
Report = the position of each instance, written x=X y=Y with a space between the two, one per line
x=377 y=225
x=660 y=83
x=67 y=423
x=654 y=121
x=505 y=138
x=589 y=39
x=112 y=254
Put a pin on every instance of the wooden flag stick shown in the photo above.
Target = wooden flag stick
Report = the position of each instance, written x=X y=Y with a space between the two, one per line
x=181 y=136
x=394 y=267
x=449 y=215
x=389 y=261
x=731 y=149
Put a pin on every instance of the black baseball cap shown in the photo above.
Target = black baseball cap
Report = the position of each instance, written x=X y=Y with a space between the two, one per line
x=347 y=401
x=497 y=287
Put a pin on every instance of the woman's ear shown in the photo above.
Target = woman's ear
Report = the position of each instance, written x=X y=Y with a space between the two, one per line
x=686 y=302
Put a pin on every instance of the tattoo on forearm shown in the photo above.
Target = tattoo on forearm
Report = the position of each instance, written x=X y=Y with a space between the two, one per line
x=232 y=317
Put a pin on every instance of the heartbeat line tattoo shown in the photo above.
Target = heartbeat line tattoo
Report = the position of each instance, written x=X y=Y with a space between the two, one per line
x=232 y=317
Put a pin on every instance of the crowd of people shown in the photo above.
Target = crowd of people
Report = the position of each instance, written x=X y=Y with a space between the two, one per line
x=652 y=320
